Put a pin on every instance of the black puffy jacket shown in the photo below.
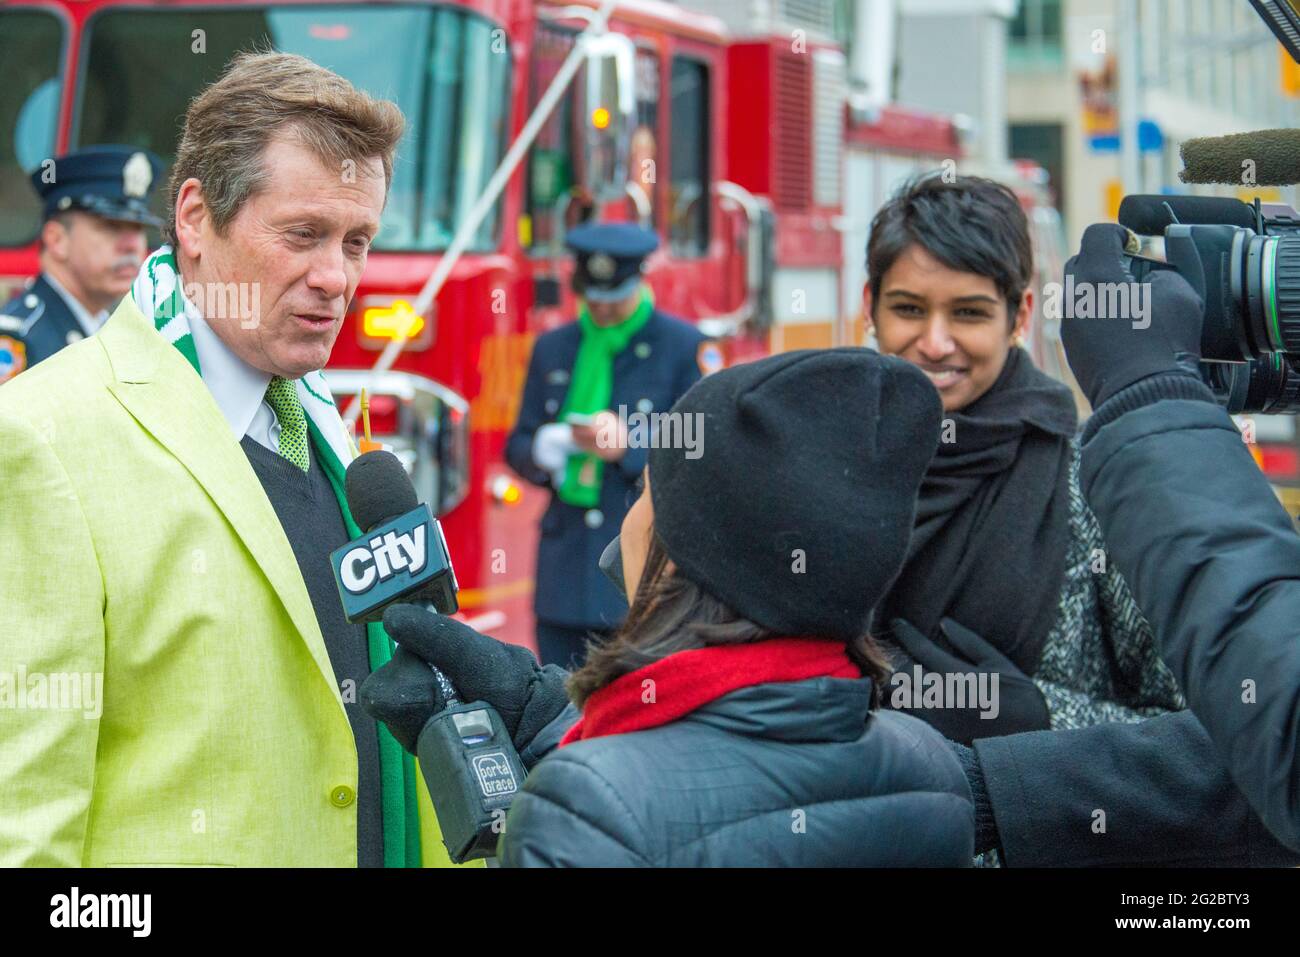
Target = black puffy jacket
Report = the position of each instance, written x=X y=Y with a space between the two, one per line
x=1214 y=564
x=783 y=774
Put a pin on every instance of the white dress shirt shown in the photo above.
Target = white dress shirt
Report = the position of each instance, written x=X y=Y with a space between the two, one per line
x=240 y=390
x=89 y=323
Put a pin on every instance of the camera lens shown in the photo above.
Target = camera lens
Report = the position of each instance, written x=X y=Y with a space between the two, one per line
x=1269 y=385
x=1272 y=292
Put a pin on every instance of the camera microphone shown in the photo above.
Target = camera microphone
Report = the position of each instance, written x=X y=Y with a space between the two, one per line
x=1258 y=158
x=1149 y=214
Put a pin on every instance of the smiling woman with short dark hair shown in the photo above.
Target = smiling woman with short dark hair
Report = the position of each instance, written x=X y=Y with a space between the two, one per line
x=1007 y=572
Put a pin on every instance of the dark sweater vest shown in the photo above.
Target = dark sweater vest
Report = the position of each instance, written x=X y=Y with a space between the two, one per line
x=309 y=514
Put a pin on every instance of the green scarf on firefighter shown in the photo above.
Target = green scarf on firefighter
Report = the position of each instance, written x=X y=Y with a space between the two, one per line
x=590 y=390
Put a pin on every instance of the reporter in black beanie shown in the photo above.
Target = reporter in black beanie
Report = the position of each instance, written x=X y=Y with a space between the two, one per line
x=818 y=452
x=731 y=720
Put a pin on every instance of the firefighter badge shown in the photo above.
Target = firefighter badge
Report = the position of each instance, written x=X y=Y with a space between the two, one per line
x=13 y=357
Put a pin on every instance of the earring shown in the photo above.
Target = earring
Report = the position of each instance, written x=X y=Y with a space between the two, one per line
x=1017 y=340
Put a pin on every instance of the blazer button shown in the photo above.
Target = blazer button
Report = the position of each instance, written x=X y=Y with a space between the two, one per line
x=594 y=518
x=644 y=406
x=552 y=405
x=342 y=796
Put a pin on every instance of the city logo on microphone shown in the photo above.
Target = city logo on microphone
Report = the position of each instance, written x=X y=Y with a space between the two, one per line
x=382 y=557
x=398 y=559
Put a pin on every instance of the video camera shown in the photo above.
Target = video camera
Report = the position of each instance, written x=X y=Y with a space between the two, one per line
x=1244 y=262
x=1242 y=259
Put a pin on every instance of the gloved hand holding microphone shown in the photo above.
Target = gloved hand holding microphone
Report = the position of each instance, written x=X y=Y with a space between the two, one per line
x=405 y=695
x=467 y=751
x=530 y=698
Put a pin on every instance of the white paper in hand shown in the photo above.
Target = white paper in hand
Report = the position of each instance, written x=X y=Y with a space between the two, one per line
x=552 y=446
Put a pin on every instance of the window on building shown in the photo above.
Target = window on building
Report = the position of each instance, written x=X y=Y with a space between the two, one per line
x=1034 y=36
x=688 y=187
x=1044 y=143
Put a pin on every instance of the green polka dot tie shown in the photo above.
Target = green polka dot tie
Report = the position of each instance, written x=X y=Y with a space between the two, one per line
x=283 y=398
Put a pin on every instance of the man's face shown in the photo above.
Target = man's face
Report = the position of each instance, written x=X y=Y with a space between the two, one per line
x=612 y=313
x=953 y=325
x=300 y=243
x=99 y=257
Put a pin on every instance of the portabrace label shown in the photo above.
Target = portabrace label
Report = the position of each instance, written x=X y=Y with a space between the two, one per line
x=496 y=778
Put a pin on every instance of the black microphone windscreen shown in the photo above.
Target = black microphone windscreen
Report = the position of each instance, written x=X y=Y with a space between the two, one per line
x=378 y=489
x=1149 y=214
x=1259 y=158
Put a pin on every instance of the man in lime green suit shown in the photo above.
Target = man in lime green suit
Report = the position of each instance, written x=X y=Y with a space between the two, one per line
x=177 y=683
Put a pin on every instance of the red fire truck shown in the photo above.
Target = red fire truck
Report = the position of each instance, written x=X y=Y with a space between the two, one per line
x=731 y=148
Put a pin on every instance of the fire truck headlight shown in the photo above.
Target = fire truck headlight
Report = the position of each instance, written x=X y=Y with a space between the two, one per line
x=381 y=319
x=392 y=321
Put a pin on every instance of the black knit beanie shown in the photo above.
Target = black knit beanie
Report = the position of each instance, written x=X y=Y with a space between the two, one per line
x=798 y=505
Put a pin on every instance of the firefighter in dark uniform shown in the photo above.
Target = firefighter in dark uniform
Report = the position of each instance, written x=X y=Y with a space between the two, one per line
x=621 y=356
x=92 y=245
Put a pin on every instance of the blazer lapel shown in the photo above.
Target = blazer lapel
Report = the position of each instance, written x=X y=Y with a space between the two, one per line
x=157 y=385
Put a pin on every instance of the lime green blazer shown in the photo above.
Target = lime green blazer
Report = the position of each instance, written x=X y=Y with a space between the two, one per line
x=138 y=551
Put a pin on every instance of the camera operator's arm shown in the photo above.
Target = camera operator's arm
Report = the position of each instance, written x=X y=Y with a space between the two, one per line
x=1115 y=795
x=1193 y=526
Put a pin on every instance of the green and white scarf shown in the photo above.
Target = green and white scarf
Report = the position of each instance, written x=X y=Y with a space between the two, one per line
x=590 y=390
x=158 y=293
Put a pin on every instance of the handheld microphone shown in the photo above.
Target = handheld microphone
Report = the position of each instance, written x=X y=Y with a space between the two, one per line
x=403 y=554
x=469 y=763
x=1272 y=158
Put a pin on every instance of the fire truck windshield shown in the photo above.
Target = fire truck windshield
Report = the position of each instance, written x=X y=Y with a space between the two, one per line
x=447 y=69
x=31 y=46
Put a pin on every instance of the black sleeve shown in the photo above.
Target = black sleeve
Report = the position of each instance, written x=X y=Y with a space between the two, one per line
x=1120 y=794
x=532 y=416
x=1214 y=564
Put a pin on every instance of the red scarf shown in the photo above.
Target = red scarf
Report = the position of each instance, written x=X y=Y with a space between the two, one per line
x=688 y=680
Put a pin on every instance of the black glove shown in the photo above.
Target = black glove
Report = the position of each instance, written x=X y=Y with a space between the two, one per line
x=404 y=694
x=1020 y=705
x=1108 y=354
